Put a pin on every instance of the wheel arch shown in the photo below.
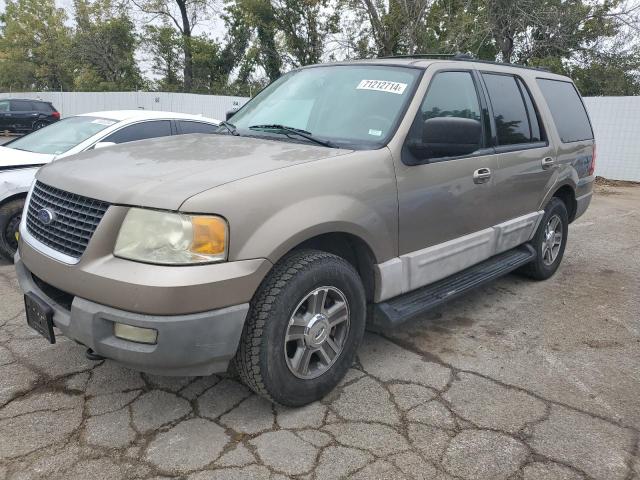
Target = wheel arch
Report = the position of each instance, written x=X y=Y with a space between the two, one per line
x=567 y=194
x=353 y=248
x=12 y=197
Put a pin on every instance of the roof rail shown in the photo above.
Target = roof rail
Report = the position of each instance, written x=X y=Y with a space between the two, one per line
x=464 y=57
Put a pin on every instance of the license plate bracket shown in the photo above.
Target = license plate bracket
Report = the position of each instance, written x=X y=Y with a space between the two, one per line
x=39 y=316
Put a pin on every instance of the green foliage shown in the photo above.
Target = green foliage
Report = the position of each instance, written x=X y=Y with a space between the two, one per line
x=99 y=48
x=35 y=46
x=104 y=47
x=164 y=45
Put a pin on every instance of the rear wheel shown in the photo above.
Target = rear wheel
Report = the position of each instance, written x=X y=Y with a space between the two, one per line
x=10 y=214
x=39 y=124
x=303 y=328
x=549 y=241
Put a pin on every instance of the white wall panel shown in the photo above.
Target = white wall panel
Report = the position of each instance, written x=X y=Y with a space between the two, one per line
x=616 y=123
x=74 y=103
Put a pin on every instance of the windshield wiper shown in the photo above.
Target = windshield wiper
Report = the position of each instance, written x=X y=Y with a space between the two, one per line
x=231 y=127
x=283 y=129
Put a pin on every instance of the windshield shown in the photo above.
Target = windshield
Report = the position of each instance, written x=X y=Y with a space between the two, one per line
x=61 y=136
x=356 y=106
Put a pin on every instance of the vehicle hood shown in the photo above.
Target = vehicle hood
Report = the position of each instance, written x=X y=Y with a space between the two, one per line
x=11 y=158
x=163 y=173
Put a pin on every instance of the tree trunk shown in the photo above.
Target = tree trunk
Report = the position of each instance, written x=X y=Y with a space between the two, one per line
x=186 y=45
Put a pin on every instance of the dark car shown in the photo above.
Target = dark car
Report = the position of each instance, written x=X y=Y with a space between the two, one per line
x=23 y=115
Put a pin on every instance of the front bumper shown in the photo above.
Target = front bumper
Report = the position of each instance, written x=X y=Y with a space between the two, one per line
x=192 y=344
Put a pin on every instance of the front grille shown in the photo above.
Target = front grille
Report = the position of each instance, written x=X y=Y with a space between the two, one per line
x=74 y=219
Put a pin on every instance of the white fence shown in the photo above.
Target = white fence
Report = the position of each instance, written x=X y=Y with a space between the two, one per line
x=616 y=120
x=73 y=103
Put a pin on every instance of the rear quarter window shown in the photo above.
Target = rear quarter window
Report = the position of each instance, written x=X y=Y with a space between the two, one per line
x=42 y=107
x=567 y=110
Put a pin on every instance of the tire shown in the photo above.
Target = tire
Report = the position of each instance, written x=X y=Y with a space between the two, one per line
x=10 y=214
x=39 y=124
x=546 y=263
x=302 y=283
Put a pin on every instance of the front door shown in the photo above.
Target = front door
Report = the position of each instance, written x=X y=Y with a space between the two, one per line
x=445 y=185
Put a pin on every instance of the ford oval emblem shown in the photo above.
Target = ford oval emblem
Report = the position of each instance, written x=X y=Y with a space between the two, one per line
x=46 y=216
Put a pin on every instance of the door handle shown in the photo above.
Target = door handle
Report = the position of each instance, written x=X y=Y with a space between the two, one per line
x=548 y=162
x=482 y=175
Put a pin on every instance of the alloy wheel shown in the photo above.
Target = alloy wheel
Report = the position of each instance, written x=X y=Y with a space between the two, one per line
x=552 y=240
x=317 y=332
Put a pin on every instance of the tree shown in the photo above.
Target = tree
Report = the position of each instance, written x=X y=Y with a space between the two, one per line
x=305 y=26
x=184 y=14
x=35 y=44
x=104 y=45
x=164 y=45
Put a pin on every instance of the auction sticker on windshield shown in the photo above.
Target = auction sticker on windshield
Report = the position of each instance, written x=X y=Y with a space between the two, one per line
x=382 y=86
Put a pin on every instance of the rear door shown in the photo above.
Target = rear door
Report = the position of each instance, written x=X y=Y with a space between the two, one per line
x=446 y=200
x=525 y=155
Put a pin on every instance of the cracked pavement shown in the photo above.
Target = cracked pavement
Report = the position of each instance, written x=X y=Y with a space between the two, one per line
x=518 y=380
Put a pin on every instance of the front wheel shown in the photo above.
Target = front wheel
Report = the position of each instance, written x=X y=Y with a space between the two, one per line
x=549 y=241
x=303 y=328
x=10 y=214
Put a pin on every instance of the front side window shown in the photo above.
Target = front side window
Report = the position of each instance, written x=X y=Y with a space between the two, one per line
x=509 y=110
x=567 y=110
x=4 y=106
x=61 y=136
x=141 y=131
x=449 y=121
x=355 y=106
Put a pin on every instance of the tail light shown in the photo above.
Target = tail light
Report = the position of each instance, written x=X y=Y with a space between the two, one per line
x=56 y=115
x=592 y=165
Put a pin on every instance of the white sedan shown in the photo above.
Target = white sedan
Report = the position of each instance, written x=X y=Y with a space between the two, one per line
x=21 y=158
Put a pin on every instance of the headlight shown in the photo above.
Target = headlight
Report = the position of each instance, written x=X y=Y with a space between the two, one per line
x=171 y=238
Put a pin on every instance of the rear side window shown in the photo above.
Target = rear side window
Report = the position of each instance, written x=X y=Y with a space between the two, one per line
x=196 y=127
x=4 y=106
x=509 y=110
x=141 y=131
x=536 y=131
x=42 y=107
x=567 y=110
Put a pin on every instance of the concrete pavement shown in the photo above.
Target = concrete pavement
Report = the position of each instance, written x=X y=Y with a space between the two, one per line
x=519 y=380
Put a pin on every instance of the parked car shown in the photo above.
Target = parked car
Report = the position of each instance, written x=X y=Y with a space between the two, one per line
x=342 y=194
x=21 y=158
x=26 y=115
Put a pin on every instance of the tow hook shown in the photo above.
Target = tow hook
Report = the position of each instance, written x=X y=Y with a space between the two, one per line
x=91 y=355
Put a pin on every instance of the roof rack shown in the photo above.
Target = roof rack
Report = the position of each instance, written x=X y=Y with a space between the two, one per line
x=464 y=57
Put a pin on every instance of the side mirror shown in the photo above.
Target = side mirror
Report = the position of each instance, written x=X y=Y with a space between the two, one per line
x=103 y=145
x=447 y=137
x=229 y=114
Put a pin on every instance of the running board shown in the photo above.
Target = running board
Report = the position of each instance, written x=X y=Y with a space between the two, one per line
x=404 y=307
